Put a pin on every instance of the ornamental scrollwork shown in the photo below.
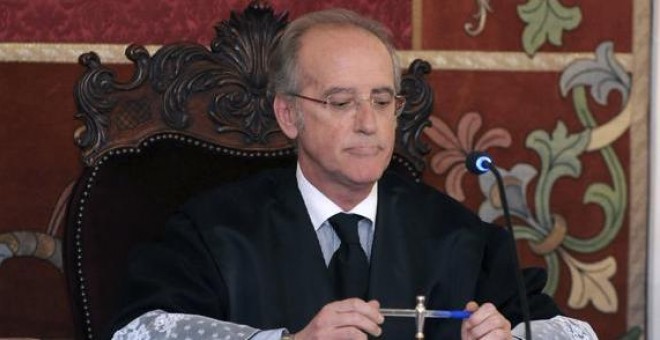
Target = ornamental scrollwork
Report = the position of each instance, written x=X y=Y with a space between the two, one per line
x=416 y=112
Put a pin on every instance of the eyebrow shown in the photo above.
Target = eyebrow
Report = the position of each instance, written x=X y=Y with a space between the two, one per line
x=383 y=89
x=334 y=90
x=378 y=90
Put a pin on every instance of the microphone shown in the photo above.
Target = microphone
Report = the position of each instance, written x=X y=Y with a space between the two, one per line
x=479 y=162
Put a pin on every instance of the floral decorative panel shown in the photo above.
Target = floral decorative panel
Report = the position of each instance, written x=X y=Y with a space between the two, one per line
x=556 y=91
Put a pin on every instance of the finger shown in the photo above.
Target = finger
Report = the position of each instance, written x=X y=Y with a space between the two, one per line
x=352 y=312
x=373 y=312
x=358 y=320
x=497 y=334
x=374 y=303
x=348 y=333
x=471 y=306
x=466 y=325
x=481 y=313
x=473 y=320
x=369 y=309
x=487 y=319
x=491 y=325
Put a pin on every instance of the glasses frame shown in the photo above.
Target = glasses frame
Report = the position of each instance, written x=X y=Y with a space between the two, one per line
x=397 y=98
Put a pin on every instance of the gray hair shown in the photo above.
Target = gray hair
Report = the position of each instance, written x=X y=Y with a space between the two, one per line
x=284 y=72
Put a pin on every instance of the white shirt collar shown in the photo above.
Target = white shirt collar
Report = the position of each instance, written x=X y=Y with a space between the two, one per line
x=320 y=207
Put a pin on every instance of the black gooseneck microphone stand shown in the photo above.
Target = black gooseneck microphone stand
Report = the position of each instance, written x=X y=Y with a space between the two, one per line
x=479 y=163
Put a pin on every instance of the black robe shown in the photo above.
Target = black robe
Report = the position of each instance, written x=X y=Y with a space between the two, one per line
x=247 y=253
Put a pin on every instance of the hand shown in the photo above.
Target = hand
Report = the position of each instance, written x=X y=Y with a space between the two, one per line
x=346 y=319
x=486 y=322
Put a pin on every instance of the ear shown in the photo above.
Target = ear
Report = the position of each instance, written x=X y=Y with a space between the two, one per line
x=286 y=116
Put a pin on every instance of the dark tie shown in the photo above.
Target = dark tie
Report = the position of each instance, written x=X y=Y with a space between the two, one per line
x=349 y=267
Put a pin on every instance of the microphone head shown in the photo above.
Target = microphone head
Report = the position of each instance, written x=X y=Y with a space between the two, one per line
x=478 y=162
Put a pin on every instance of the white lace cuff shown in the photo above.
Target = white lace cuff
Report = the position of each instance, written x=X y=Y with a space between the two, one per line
x=162 y=325
x=559 y=327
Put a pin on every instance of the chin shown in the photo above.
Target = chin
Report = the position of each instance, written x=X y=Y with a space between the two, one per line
x=367 y=175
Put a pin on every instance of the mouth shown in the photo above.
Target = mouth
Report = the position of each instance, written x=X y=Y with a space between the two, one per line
x=364 y=150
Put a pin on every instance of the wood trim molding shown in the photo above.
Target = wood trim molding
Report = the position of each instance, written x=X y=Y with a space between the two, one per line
x=439 y=60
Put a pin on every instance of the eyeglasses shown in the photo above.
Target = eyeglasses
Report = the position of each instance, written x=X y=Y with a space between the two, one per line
x=344 y=103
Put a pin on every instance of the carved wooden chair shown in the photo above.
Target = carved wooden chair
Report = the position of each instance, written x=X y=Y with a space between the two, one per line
x=189 y=119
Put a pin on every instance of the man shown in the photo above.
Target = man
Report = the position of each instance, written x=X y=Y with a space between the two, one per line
x=259 y=259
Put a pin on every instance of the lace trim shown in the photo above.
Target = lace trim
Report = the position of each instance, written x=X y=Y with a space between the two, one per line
x=559 y=327
x=161 y=325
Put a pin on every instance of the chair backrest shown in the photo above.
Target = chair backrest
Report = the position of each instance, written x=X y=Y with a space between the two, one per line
x=190 y=118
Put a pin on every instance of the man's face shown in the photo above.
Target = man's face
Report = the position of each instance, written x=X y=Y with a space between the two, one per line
x=341 y=151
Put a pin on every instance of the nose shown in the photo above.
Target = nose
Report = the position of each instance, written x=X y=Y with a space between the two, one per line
x=365 y=117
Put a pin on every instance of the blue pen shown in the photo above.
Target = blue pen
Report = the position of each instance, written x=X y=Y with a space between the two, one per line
x=450 y=314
